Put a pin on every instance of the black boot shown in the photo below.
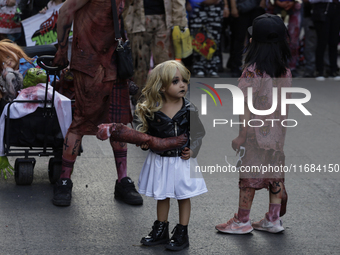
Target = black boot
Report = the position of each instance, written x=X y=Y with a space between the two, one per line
x=158 y=235
x=179 y=239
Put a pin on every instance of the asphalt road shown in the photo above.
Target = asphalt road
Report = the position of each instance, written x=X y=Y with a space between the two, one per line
x=96 y=223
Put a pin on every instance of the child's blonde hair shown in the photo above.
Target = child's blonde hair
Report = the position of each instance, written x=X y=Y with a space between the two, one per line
x=7 y=47
x=160 y=77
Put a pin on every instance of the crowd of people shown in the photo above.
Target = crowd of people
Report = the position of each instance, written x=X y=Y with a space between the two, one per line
x=313 y=27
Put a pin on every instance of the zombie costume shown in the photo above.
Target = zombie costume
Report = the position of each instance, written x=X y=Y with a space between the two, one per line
x=101 y=97
x=264 y=143
x=148 y=25
x=165 y=174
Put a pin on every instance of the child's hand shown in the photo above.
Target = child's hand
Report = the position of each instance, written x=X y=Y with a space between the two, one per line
x=43 y=10
x=237 y=142
x=186 y=153
x=5 y=167
x=143 y=146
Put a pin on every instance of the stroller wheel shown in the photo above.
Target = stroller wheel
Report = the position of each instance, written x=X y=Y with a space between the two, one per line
x=24 y=171
x=54 y=170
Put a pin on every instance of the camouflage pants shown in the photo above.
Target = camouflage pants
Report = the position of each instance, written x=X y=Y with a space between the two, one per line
x=209 y=17
x=156 y=39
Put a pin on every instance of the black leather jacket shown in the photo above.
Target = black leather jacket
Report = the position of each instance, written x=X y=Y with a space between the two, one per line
x=185 y=121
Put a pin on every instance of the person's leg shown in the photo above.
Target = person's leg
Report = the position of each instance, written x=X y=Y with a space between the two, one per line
x=240 y=223
x=120 y=153
x=141 y=53
x=63 y=188
x=334 y=39
x=124 y=189
x=161 y=44
x=275 y=197
x=214 y=27
x=310 y=46
x=246 y=197
x=322 y=32
x=163 y=207
x=239 y=29
x=294 y=33
x=180 y=238
x=196 y=28
x=91 y=109
x=272 y=222
x=160 y=228
x=184 y=207
x=71 y=148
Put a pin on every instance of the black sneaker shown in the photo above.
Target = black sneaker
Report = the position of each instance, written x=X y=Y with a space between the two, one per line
x=125 y=190
x=62 y=192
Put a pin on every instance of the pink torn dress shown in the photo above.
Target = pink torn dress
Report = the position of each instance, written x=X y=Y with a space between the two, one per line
x=265 y=141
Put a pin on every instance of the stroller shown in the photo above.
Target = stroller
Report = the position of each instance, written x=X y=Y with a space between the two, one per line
x=37 y=134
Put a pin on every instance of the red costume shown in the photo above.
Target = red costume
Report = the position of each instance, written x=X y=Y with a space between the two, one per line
x=95 y=72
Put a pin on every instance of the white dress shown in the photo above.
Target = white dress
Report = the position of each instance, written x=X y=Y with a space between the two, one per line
x=170 y=177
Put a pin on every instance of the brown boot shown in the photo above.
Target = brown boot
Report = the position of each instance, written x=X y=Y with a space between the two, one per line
x=122 y=133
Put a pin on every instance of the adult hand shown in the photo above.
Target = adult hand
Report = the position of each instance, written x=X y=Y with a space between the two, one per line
x=60 y=58
x=234 y=12
x=283 y=5
x=188 y=6
x=289 y=6
x=43 y=10
x=263 y=4
x=186 y=153
x=237 y=142
x=144 y=146
x=5 y=167
x=226 y=12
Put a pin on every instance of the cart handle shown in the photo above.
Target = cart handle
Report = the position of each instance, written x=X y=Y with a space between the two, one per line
x=45 y=61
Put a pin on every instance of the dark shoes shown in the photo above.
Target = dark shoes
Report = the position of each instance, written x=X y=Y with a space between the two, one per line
x=62 y=192
x=179 y=239
x=236 y=73
x=125 y=190
x=158 y=235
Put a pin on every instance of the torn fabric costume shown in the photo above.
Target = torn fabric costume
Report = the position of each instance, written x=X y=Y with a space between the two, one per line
x=101 y=97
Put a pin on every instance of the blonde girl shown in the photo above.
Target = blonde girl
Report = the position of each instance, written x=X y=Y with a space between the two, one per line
x=165 y=112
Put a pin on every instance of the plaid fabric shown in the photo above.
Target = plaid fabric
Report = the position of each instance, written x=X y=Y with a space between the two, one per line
x=120 y=111
x=98 y=102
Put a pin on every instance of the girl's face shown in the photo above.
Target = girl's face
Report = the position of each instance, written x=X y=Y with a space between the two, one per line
x=11 y=61
x=178 y=87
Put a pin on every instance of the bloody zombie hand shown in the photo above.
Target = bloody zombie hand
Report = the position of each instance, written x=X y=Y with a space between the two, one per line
x=122 y=133
x=60 y=58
